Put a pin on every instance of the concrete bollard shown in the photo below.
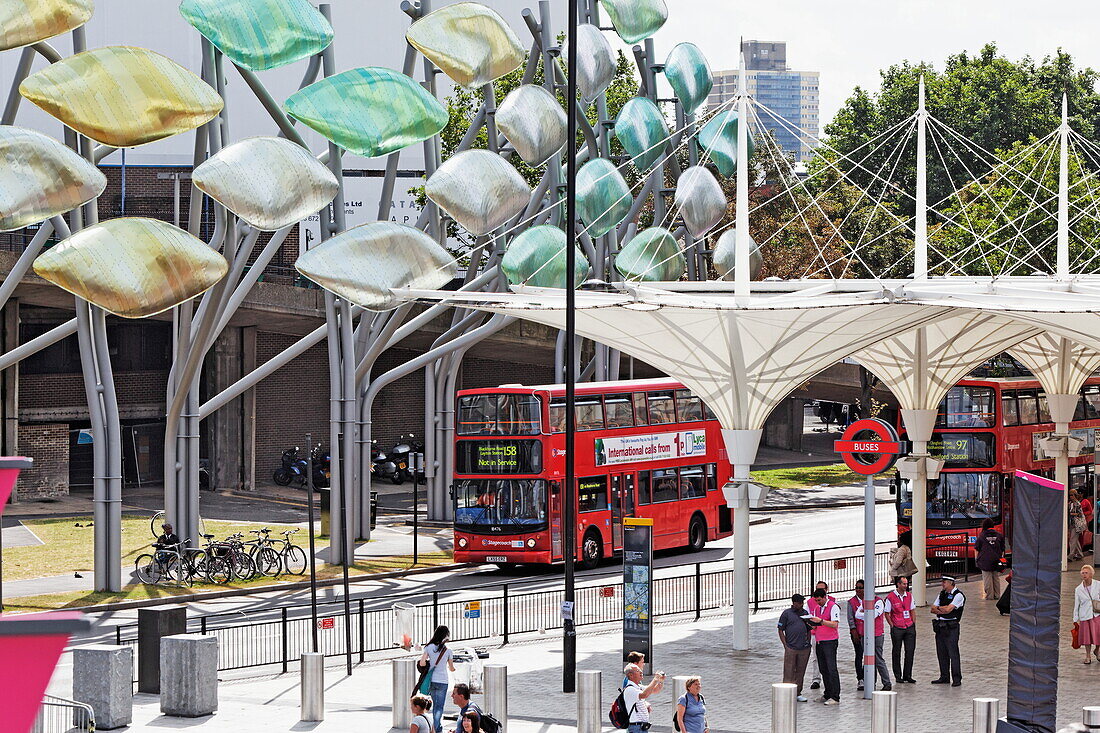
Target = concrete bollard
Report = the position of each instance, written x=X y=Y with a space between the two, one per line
x=589 y=704
x=103 y=678
x=884 y=712
x=496 y=693
x=313 y=687
x=784 y=719
x=1090 y=716
x=404 y=678
x=188 y=675
x=153 y=625
x=986 y=712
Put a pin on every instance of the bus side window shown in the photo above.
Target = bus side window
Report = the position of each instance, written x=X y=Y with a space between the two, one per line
x=1028 y=406
x=691 y=482
x=665 y=485
x=689 y=408
x=643 y=488
x=590 y=413
x=1092 y=401
x=1044 y=409
x=1011 y=415
x=662 y=410
x=592 y=494
x=640 y=416
x=557 y=417
x=712 y=476
x=618 y=411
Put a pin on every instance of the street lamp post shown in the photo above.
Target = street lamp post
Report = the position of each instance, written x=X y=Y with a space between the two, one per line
x=569 y=508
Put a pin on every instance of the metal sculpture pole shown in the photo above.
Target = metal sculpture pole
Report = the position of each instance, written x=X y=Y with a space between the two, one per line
x=568 y=491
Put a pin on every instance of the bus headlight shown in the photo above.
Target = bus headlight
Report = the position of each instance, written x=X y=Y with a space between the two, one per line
x=531 y=542
x=461 y=541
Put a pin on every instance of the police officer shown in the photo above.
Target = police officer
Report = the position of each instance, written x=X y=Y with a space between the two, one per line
x=947 y=612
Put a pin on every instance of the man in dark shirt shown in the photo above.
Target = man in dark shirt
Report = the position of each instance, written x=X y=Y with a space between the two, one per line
x=794 y=633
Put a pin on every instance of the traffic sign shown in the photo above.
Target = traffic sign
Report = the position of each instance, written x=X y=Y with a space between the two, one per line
x=326 y=623
x=869 y=446
x=607 y=591
x=472 y=610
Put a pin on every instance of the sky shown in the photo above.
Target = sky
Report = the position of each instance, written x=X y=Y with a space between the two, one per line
x=849 y=41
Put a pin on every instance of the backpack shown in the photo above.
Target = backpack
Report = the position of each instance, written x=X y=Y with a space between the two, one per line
x=489 y=724
x=618 y=714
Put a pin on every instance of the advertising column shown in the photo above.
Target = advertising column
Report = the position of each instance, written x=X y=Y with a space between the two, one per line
x=638 y=588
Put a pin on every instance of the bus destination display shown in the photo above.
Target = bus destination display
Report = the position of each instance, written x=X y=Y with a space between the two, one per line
x=499 y=456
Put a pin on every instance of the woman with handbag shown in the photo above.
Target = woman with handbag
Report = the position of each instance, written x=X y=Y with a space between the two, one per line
x=901 y=558
x=435 y=666
x=1086 y=614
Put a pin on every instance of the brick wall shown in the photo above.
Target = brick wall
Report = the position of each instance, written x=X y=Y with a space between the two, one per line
x=48 y=445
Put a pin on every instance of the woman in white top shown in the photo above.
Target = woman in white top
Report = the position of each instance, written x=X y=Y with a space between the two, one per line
x=420 y=705
x=438 y=656
x=1088 y=621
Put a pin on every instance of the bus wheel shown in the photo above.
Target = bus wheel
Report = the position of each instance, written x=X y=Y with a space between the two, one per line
x=591 y=550
x=697 y=534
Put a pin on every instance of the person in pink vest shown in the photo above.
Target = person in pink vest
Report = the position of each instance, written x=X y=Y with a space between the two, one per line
x=881 y=669
x=903 y=631
x=827 y=637
x=815 y=672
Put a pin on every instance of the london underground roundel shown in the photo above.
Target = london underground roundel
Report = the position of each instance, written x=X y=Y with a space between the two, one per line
x=869 y=446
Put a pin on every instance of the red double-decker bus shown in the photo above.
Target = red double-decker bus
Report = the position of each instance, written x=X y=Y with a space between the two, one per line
x=986 y=429
x=644 y=448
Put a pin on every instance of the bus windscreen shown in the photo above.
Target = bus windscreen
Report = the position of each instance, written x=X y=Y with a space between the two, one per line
x=503 y=503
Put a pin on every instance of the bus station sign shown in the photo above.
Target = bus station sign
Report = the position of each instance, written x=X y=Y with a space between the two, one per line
x=869 y=446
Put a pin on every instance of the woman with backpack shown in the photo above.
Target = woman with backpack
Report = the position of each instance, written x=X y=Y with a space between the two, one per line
x=691 y=708
x=420 y=705
x=436 y=664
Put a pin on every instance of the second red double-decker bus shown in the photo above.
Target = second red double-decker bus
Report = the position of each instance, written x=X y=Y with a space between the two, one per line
x=645 y=448
x=986 y=429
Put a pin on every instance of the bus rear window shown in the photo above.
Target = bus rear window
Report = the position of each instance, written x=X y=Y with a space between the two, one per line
x=502 y=414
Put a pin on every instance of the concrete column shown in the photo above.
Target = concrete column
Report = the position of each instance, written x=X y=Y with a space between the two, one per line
x=189 y=675
x=226 y=427
x=918 y=426
x=248 y=410
x=404 y=677
x=741 y=446
x=313 y=687
x=9 y=383
x=154 y=624
x=103 y=678
x=589 y=704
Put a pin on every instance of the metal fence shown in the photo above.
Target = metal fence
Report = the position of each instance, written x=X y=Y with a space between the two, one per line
x=58 y=715
x=500 y=610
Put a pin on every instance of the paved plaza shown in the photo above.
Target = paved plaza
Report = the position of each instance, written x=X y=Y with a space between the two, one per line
x=736 y=684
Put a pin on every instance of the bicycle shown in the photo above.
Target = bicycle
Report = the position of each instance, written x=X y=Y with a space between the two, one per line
x=294 y=558
x=268 y=560
x=228 y=560
x=157 y=567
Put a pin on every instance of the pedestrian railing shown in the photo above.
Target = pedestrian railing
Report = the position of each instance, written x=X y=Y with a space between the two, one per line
x=499 y=611
x=58 y=715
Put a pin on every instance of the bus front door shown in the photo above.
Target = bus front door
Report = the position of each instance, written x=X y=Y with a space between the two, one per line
x=622 y=505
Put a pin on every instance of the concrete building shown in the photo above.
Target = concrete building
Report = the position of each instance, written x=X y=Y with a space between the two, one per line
x=790 y=95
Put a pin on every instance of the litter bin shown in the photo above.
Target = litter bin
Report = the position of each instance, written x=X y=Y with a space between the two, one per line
x=326 y=510
x=469 y=668
x=404 y=624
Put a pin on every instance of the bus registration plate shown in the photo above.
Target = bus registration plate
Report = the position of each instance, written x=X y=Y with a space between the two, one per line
x=496 y=558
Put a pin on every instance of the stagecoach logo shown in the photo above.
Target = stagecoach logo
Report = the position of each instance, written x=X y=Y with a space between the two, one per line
x=654 y=447
x=502 y=543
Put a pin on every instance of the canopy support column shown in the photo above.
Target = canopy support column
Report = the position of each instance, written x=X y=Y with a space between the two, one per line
x=1061 y=447
x=741 y=445
x=918 y=467
x=920 y=230
x=1063 y=194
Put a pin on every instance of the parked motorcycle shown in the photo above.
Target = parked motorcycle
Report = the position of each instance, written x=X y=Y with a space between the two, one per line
x=382 y=466
x=295 y=467
x=408 y=454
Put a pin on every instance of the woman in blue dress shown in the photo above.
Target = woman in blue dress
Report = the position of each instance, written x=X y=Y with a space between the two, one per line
x=691 y=708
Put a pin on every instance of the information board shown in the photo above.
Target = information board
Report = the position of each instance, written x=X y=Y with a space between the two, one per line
x=638 y=588
x=499 y=457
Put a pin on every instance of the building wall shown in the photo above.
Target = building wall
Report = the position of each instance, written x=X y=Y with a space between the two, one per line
x=48 y=445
